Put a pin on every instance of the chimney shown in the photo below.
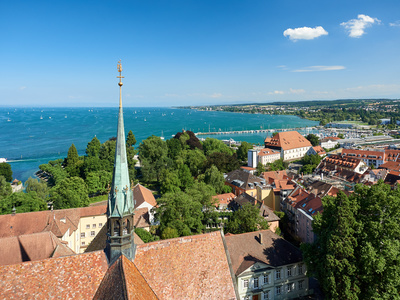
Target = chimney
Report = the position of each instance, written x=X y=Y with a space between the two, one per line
x=13 y=211
x=260 y=239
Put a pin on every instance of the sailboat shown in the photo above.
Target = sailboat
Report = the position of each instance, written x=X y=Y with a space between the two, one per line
x=41 y=117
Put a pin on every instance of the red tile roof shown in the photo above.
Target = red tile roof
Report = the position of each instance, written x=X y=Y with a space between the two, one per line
x=223 y=198
x=142 y=194
x=288 y=140
x=70 y=277
x=124 y=281
x=319 y=150
x=245 y=250
x=30 y=247
x=275 y=175
x=192 y=267
x=267 y=151
x=391 y=166
x=56 y=221
x=364 y=154
x=141 y=218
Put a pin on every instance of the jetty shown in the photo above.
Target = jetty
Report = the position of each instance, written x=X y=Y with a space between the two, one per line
x=255 y=131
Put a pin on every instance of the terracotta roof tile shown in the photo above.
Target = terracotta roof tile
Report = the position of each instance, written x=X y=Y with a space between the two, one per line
x=288 y=140
x=124 y=281
x=70 y=277
x=193 y=267
x=223 y=198
x=275 y=175
x=141 y=218
x=31 y=247
x=142 y=194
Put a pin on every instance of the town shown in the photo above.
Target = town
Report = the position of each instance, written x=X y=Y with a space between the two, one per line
x=198 y=219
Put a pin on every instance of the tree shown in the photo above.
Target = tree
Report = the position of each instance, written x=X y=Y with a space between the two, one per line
x=153 y=153
x=190 y=139
x=246 y=219
x=179 y=212
x=97 y=182
x=242 y=151
x=93 y=148
x=340 y=136
x=223 y=161
x=5 y=188
x=195 y=160
x=5 y=170
x=185 y=177
x=170 y=182
x=70 y=192
x=72 y=157
x=22 y=202
x=314 y=140
x=216 y=179
x=332 y=257
x=130 y=139
x=41 y=188
x=107 y=154
x=174 y=148
x=145 y=236
x=213 y=145
x=277 y=165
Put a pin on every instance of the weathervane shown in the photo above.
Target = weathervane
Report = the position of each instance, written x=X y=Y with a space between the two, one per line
x=119 y=68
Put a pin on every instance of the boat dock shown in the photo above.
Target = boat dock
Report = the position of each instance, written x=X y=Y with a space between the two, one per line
x=255 y=131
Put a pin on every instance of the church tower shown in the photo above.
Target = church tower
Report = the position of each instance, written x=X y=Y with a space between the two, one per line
x=120 y=208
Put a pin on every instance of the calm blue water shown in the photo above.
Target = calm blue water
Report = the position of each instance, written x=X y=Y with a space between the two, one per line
x=33 y=136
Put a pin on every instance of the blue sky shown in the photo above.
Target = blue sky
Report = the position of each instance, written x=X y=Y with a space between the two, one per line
x=195 y=52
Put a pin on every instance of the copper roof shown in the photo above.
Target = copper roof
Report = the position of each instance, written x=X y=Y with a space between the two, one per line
x=70 y=277
x=288 y=140
x=142 y=194
x=192 y=267
x=245 y=250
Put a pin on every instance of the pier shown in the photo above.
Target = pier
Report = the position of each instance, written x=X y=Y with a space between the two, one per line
x=256 y=131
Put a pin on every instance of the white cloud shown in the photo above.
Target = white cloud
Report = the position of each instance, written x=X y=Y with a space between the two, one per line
x=299 y=91
x=216 y=95
x=320 y=68
x=276 y=93
x=395 y=24
x=305 y=33
x=357 y=26
x=22 y=88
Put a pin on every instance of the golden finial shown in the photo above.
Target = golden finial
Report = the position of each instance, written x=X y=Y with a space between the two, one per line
x=119 y=68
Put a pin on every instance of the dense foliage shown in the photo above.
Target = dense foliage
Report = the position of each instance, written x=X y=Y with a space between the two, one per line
x=5 y=171
x=357 y=252
x=246 y=219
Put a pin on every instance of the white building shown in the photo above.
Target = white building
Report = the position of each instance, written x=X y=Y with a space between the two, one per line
x=291 y=144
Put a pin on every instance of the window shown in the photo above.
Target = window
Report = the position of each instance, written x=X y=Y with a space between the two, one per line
x=301 y=265
x=301 y=285
x=94 y=226
x=278 y=274
x=266 y=279
x=247 y=297
x=82 y=234
x=290 y=287
x=87 y=226
x=246 y=283
x=289 y=271
x=100 y=225
x=278 y=290
x=256 y=282
x=266 y=295
x=83 y=244
x=92 y=233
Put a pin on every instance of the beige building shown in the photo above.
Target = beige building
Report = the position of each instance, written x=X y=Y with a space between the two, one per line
x=266 y=266
x=291 y=144
x=75 y=226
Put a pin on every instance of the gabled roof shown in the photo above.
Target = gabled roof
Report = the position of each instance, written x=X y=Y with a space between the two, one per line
x=141 y=218
x=275 y=175
x=194 y=267
x=391 y=166
x=223 y=198
x=56 y=221
x=30 y=247
x=319 y=188
x=311 y=205
x=245 y=250
x=70 y=277
x=364 y=154
x=319 y=150
x=124 y=281
x=267 y=151
x=242 y=179
x=142 y=194
x=287 y=140
x=268 y=214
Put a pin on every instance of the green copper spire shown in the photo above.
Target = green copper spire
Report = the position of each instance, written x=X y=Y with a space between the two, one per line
x=120 y=198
